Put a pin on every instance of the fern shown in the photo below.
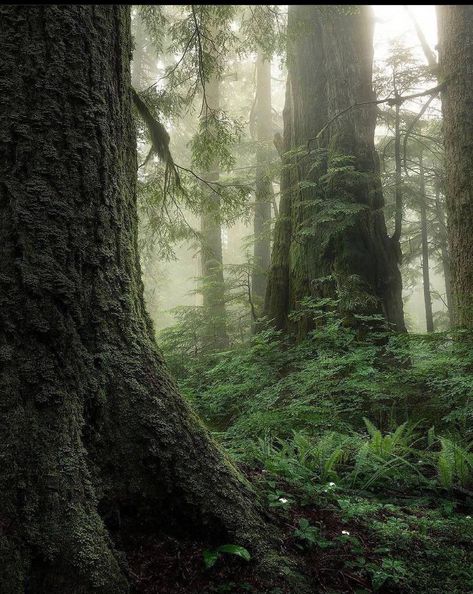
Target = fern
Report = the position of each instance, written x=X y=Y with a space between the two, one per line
x=455 y=464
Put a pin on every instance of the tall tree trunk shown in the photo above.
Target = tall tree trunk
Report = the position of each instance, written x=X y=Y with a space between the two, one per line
x=213 y=288
x=336 y=242
x=429 y=320
x=277 y=288
x=89 y=417
x=264 y=185
x=396 y=237
x=455 y=28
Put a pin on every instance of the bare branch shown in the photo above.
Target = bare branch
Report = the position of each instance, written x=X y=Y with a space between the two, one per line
x=391 y=101
x=429 y=54
x=413 y=123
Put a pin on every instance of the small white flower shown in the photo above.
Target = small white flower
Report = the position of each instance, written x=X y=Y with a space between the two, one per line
x=331 y=484
x=345 y=532
x=420 y=462
x=468 y=517
x=282 y=500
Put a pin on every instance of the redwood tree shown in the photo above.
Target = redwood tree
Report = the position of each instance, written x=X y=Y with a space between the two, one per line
x=331 y=237
x=455 y=28
x=90 y=422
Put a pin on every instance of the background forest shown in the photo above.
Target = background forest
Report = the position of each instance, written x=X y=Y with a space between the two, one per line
x=371 y=427
x=236 y=304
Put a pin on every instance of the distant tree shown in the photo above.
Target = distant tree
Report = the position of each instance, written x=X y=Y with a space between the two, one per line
x=264 y=184
x=331 y=237
x=429 y=319
x=211 y=256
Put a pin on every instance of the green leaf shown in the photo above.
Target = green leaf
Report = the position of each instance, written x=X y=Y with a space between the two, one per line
x=210 y=558
x=235 y=550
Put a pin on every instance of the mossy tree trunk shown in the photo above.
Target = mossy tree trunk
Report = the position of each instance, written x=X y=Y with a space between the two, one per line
x=335 y=242
x=264 y=186
x=89 y=418
x=455 y=28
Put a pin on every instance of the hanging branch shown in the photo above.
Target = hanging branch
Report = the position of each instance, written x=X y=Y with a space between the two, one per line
x=159 y=141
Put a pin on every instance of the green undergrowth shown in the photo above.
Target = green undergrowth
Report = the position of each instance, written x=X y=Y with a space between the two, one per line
x=361 y=440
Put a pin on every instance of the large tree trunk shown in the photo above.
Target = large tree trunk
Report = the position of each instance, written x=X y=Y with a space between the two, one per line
x=330 y=68
x=429 y=319
x=89 y=417
x=264 y=186
x=213 y=287
x=455 y=28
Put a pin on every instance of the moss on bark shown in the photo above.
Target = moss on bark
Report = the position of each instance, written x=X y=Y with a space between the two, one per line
x=455 y=23
x=337 y=226
x=90 y=419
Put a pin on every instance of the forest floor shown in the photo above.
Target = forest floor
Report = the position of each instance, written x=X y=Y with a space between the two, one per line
x=358 y=444
x=342 y=543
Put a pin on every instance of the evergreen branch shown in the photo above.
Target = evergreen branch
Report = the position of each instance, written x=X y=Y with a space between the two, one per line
x=214 y=184
x=413 y=123
x=175 y=67
x=391 y=101
x=200 y=58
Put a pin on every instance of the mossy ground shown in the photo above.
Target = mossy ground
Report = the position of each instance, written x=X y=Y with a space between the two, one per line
x=360 y=447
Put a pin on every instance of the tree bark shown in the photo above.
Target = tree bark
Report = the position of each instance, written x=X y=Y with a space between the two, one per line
x=445 y=256
x=264 y=186
x=429 y=320
x=330 y=58
x=90 y=419
x=455 y=29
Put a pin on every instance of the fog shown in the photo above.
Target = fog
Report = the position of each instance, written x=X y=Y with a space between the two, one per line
x=173 y=281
